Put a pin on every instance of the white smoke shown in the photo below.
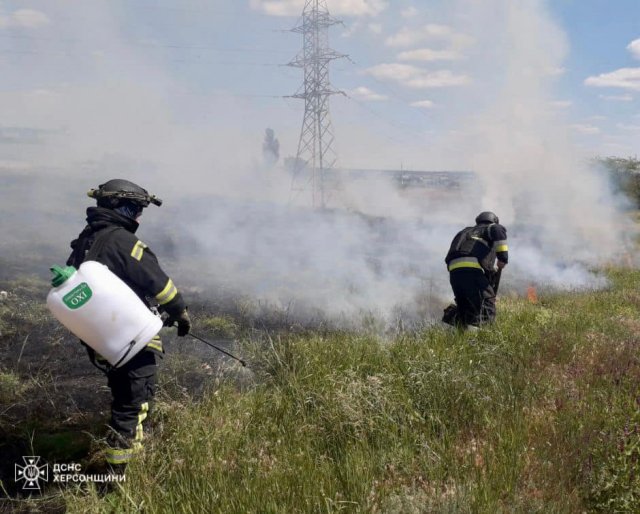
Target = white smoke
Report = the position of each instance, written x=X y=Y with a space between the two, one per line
x=236 y=226
x=536 y=177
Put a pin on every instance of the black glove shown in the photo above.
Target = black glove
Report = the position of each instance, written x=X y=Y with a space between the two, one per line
x=183 y=320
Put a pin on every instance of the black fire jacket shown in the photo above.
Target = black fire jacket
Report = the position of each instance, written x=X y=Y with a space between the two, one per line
x=127 y=257
x=478 y=247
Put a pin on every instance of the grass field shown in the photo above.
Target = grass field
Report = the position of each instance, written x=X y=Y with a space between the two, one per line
x=538 y=413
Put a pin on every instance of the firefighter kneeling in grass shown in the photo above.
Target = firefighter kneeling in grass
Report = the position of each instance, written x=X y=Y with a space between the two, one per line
x=471 y=264
x=109 y=238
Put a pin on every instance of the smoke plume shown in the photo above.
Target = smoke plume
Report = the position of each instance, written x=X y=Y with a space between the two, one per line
x=231 y=225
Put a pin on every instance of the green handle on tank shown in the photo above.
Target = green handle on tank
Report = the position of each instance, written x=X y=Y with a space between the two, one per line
x=61 y=274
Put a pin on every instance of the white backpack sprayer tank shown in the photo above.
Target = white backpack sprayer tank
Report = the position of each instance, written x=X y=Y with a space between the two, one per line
x=101 y=310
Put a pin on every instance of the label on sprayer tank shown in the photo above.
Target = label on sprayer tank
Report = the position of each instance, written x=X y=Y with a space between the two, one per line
x=78 y=296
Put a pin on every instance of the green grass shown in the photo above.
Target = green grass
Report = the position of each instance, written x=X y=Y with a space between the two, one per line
x=538 y=413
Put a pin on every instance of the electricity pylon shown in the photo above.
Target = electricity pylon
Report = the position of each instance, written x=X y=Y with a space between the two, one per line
x=315 y=147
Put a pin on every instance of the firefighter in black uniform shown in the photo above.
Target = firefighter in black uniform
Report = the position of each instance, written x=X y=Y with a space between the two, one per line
x=471 y=264
x=109 y=238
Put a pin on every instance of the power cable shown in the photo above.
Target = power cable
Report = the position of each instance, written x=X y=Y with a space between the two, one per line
x=188 y=59
x=402 y=127
x=392 y=92
x=149 y=45
x=207 y=9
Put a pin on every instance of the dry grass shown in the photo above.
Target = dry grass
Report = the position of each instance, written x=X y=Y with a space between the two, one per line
x=539 y=413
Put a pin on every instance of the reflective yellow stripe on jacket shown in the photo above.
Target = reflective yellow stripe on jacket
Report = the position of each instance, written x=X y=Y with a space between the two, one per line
x=167 y=294
x=501 y=246
x=138 y=250
x=480 y=240
x=156 y=344
x=464 y=262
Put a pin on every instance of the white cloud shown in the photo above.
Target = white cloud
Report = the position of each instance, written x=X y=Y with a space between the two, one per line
x=25 y=18
x=624 y=78
x=417 y=78
x=41 y=93
x=376 y=28
x=562 y=104
x=617 y=146
x=408 y=37
x=423 y=104
x=585 y=128
x=617 y=98
x=337 y=7
x=30 y=18
x=364 y=93
x=634 y=48
x=409 y=12
x=555 y=72
x=629 y=128
x=429 y=55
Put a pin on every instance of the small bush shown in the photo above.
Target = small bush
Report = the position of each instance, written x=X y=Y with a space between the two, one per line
x=625 y=174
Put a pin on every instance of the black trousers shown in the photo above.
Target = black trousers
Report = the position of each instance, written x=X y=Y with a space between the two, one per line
x=132 y=387
x=475 y=297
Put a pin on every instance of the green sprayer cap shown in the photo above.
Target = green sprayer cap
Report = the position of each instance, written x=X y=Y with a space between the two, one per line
x=61 y=275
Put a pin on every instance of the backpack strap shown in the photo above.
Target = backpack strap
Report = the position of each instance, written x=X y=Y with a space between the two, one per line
x=99 y=242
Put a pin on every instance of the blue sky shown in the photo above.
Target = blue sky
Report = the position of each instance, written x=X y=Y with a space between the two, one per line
x=599 y=33
x=106 y=73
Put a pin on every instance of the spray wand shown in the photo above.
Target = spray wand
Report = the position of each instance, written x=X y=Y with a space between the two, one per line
x=244 y=364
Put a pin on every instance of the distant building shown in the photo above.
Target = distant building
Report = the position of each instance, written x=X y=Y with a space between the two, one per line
x=442 y=180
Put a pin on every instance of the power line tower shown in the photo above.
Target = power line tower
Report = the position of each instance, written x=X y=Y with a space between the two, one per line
x=315 y=147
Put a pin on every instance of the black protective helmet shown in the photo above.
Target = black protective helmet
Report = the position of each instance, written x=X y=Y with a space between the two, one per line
x=118 y=191
x=486 y=217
